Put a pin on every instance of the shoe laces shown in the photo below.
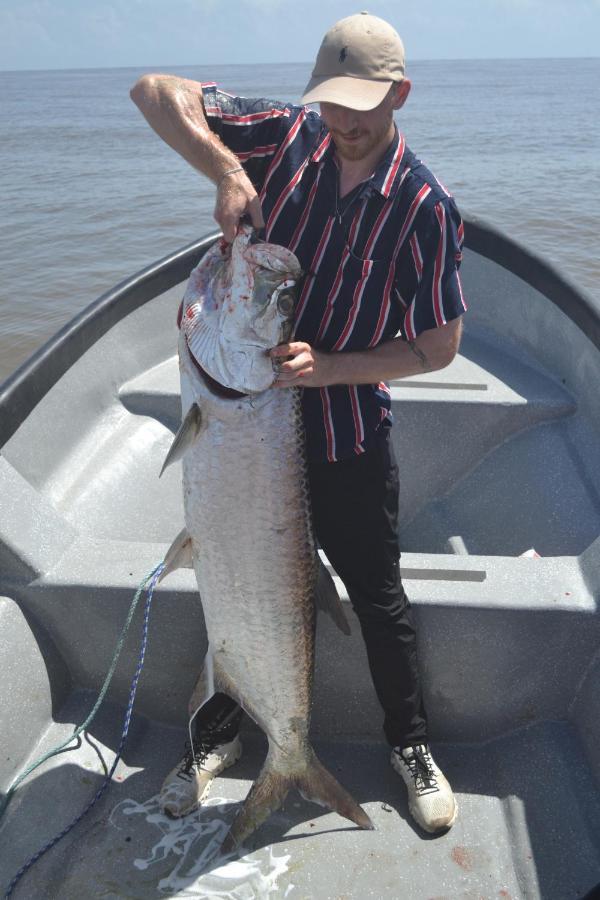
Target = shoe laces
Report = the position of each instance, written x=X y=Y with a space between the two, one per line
x=194 y=756
x=419 y=762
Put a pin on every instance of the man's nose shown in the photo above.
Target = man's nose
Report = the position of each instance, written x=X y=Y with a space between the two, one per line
x=345 y=119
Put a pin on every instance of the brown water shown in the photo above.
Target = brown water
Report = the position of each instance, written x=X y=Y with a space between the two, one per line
x=90 y=195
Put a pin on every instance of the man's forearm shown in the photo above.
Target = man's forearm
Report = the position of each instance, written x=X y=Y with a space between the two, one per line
x=173 y=107
x=394 y=359
x=297 y=364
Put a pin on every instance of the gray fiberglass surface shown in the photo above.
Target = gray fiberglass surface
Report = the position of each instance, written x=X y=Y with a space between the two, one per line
x=498 y=456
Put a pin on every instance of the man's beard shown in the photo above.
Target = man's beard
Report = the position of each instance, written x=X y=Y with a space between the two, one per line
x=364 y=146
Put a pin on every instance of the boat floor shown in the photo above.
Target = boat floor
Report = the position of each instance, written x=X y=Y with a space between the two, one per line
x=528 y=825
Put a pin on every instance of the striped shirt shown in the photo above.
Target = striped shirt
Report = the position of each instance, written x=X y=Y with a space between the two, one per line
x=380 y=263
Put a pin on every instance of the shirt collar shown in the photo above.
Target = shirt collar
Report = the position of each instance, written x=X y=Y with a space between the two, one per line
x=385 y=178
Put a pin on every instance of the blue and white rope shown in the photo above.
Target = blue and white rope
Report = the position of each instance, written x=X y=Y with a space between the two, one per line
x=152 y=578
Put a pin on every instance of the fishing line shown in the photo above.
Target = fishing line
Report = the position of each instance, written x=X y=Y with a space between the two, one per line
x=149 y=582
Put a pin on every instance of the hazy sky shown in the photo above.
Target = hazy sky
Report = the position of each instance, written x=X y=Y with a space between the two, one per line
x=51 y=34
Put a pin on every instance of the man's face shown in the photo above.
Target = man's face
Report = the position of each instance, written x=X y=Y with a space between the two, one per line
x=356 y=134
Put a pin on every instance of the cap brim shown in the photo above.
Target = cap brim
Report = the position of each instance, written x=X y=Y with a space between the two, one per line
x=354 y=93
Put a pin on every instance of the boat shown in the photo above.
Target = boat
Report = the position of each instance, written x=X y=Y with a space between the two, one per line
x=500 y=497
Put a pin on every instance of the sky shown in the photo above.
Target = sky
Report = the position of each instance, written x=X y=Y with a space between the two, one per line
x=65 y=34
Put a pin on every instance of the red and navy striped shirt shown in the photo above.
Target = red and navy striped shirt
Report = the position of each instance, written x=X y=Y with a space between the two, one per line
x=383 y=262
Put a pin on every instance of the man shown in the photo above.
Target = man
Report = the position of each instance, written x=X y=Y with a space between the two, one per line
x=380 y=240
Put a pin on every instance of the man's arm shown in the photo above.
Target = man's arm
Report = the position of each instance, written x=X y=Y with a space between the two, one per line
x=174 y=108
x=432 y=350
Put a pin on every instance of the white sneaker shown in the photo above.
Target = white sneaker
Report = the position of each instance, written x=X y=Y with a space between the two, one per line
x=189 y=782
x=430 y=799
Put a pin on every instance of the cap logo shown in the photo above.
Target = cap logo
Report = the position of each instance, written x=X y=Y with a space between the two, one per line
x=343 y=54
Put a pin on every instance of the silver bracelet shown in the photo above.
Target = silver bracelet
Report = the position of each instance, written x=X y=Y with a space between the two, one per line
x=229 y=172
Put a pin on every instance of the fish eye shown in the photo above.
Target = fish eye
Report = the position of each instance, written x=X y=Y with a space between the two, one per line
x=285 y=303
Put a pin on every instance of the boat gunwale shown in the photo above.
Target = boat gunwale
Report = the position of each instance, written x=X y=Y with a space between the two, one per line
x=26 y=387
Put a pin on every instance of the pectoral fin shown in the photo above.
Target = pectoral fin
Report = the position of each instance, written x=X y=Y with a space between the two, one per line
x=327 y=599
x=179 y=554
x=185 y=437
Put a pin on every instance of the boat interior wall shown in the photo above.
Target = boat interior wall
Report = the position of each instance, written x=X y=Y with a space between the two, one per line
x=585 y=713
x=497 y=655
x=590 y=567
x=34 y=686
x=511 y=629
x=81 y=421
x=519 y=318
x=84 y=619
x=33 y=535
x=517 y=424
x=486 y=242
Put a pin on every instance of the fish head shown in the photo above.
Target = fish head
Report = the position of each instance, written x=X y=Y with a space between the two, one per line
x=240 y=303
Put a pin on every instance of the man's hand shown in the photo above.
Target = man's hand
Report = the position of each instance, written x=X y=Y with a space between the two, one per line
x=299 y=365
x=236 y=197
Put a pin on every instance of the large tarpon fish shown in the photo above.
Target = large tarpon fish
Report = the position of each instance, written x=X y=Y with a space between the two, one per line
x=247 y=512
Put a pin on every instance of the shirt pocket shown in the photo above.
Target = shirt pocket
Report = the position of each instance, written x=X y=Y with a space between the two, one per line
x=356 y=302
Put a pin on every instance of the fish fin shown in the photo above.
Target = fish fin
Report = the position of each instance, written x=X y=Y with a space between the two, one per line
x=319 y=785
x=327 y=599
x=271 y=787
x=179 y=554
x=207 y=685
x=266 y=795
x=185 y=437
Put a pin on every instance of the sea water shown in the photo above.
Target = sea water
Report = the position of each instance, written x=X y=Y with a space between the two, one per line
x=91 y=195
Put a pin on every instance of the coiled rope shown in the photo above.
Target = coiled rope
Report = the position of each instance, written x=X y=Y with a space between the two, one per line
x=148 y=582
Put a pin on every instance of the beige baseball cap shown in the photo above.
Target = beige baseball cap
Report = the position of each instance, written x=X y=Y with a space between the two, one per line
x=359 y=59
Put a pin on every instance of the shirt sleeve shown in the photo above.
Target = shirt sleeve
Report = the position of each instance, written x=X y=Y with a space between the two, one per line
x=254 y=129
x=436 y=248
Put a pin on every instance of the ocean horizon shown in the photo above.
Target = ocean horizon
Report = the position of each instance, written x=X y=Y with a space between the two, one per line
x=91 y=195
x=298 y=62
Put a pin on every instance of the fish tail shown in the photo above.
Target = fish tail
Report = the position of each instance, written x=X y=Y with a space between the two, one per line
x=271 y=788
x=266 y=795
x=319 y=785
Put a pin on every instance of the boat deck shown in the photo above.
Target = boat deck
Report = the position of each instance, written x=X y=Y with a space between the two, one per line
x=528 y=826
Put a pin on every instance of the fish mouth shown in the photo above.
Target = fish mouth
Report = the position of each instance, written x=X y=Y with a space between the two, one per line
x=214 y=386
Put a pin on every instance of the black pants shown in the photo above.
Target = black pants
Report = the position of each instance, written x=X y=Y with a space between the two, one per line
x=355 y=516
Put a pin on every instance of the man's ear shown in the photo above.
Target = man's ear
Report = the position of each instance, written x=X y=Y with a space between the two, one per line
x=402 y=89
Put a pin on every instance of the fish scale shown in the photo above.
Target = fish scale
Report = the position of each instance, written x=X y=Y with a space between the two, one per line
x=252 y=543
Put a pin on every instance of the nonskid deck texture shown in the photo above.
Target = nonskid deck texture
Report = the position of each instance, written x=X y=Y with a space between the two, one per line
x=498 y=455
x=528 y=826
